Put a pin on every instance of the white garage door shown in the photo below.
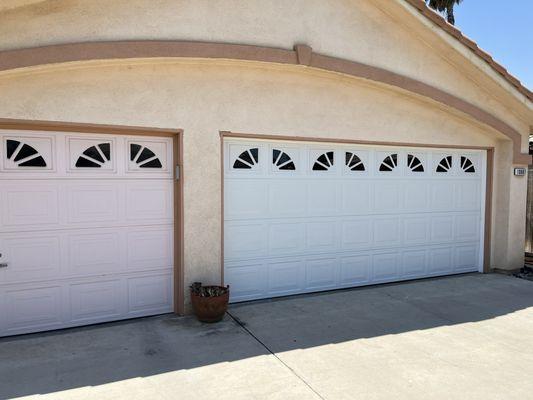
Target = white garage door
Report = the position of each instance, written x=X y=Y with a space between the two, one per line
x=304 y=217
x=86 y=231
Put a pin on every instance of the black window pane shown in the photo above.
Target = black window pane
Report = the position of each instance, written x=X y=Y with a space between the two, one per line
x=409 y=159
x=155 y=163
x=34 y=162
x=323 y=159
x=145 y=155
x=84 y=163
x=319 y=167
x=330 y=157
x=283 y=159
x=245 y=156
x=275 y=155
x=11 y=147
x=106 y=149
x=93 y=153
x=359 y=167
x=255 y=154
x=470 y=169
x=25 y=152
x=385 y=168
x=288 y=167
x=134 y=149
x=348 y=157
x=440 y=168
x=418 y=168
x=240 y=165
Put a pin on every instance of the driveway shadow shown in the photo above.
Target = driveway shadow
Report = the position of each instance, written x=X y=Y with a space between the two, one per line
x=96 y=355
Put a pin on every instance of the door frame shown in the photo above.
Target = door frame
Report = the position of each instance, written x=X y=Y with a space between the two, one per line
x=488 y=182
x=177 y=152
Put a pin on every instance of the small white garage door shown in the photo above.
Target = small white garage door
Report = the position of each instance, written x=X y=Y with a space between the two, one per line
x=86 y=230
x=305 y=217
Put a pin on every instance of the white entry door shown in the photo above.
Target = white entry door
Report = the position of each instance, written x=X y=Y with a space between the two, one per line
x=86 y=229
x=304 y=217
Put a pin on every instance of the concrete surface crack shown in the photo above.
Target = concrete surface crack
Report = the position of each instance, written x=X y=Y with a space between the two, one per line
x=238 y=322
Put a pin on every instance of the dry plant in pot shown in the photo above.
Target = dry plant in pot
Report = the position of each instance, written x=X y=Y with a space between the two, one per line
x=209 y=303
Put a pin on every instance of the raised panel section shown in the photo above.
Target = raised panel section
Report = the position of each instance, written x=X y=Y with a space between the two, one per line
x=89 y=203
x=286 y=238
x=467 y=258
x=416 y=230
x=149 y=201
x=416 y=196
x=287 y=199
x=440 y=261
x=322 y=198
x=414 y=263
x=245 y=240
x=321 y=236
x=245 y=199
x=320 y=273
x=356 y=233
x=149 y=249
x=467 y=227
x=356 y=197
x=386 y=231
x=355 y=270
x=150 y=294
x=97 y=253
x=468 y=195
x=95 y=300
x=385 y=267
x=285 y=277
x=31 y=258
x=29 y=204
x=246 y=280
x=442 y=195
x=387 y=197
x=442 y=229
x=35 y=308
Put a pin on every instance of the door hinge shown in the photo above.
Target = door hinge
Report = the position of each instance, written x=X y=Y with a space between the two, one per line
x=177 y=172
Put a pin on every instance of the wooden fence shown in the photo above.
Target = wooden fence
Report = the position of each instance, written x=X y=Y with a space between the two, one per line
x=529 y=215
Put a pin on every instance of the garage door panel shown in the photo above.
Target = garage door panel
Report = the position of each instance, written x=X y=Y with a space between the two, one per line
x=387 y=198
x=385 y=267
x=149 y=201
x=245 y=240
x=29 y=204
x=394 y=213
x=357 y=233
x=286 y=238
x=323 y=198
x=414 y=263
x=89 y=203
x=467 y=257
x=245 y=199
x=321 y=273
x=322 y=236
x=95 y=301
x=248 y=280
x=386 y=231
x=149 y=248
x=287 y=199
x=440 y=261
x=33 y=308
x=416 y=229
x=31 y=258
x=356 y=199
x=355 y=270
x=286 y=277
x=467 y=227
x=94 y=253
x=86 y=241
x=149 y=294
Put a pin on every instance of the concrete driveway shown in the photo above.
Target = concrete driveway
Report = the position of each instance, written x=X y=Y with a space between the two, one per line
x=464 y=337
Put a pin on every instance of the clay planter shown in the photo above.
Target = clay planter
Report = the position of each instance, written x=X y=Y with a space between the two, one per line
x=210 y=308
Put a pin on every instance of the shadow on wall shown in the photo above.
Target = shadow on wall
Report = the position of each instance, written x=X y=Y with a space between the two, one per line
x=91 y=356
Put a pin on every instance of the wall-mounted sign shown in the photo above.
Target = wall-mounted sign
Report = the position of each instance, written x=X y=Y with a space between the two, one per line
x=520 y=171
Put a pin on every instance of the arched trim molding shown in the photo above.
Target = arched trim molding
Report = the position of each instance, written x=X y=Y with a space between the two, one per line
x=301 y=55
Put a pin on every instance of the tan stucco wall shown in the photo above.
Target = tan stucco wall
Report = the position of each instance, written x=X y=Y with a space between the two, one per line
x=377 y=32
x=204 y=98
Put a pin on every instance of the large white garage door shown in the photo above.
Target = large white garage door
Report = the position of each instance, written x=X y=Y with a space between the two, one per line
x=86 y=231
x=304 y=217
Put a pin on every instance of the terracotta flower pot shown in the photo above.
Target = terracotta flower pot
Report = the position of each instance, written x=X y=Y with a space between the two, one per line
x=210 y=309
